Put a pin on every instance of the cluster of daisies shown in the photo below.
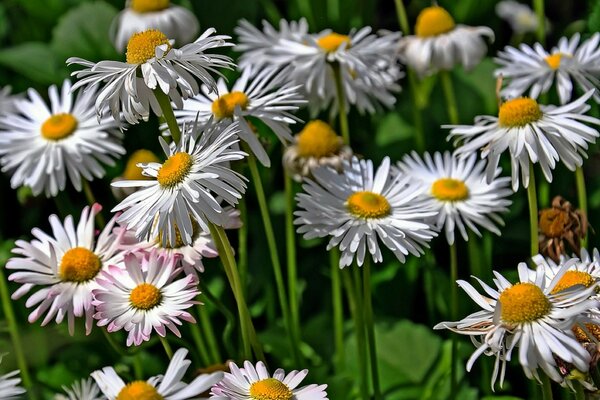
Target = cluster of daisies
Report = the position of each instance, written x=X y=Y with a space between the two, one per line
x=141 y=272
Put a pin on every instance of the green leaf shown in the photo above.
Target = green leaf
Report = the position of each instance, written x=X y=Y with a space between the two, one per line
x=83 y=32
x=481 y=80
x=34 y=60
x=391 y=129
x=593 y=21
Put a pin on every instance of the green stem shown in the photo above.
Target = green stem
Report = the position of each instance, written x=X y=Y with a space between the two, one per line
x=229 y=317
x=292 y=274
x=91 y=200
x=15 y=335
x=168 y=115
x=453 y=315
x=209 y=334
x=579 y=392
x=449 y=96
x=370 y=327
x=272 y=244
x=114 y=345
x=138 y=366
x=339 y=89
x=402 y=19
x=243 y=243
x=582 y=200
x=546 y=387
x=538 y=6
x=271 y=11
x=166 y=346
x=338 y=309
x=200 y=344
x=333 y=11
x=533 y=212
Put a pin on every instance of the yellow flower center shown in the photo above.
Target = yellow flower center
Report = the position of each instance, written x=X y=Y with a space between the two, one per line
x=449 y=189
x=270 y=389
x=553 y=222
x=583 y=336
x=553 y=60
x=433 y=21
x=331 y=42
x=142 y=46
x=523 y=302
x=572 y=278
x=519 y=112
x=174 y=170
x=145 y=296
x=223 y=106
x=59 y=126
x=132 y=171
x=79 y=265
x=178 y=240
x=317 y=139
x=139 y=390
x=368 y=205
x=144 y=6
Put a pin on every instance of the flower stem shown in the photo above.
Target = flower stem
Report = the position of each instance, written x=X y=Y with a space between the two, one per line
x=449 y=96
x=453 y=315
x=272 y=244
x=209 y=334
x=538 y=6
x=169 y=116
x=533 y=212
x=582 y=200
x=15 y=335
x=370 y=327
x=89 y=195
x=338 y=309
x=243 y=243
x=292 y=275
x=579 y=392
x=199 y=342
x=166 y=346
x=546 y=387
x=339 y=89
x=231 y=320
x=402 y=18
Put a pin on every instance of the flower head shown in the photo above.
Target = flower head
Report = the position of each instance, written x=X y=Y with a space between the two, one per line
x=85 y=389
x=521 y=18
x=9 y=385
x=559 y=225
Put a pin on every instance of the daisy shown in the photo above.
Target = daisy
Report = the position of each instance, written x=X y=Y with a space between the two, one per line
x=530 y=316
x=152 y=64
x=85 y=389
x=184 y=188
x=457 y=188
x=369 y=71
x=584 y=270
x=41 y=146
x=534 y=70
x=132 y=172
x=252 y=382
x=521 y=18
x=65 y=265
x=358 y=208
x=532 y=133
x=139 y=15
x=7 y=102
x=144 y=296
x=167 y=387
x=440 y=44
x=316 y=145
x=9 y=385
x=264 y=96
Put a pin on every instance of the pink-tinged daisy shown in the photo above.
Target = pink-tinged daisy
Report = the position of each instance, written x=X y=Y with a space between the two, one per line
x=162 y=387
x=65 y=265
x=251 y=383
x=44 y=145
x=144 y=296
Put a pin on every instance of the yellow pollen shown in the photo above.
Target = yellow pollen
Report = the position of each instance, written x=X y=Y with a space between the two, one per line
x=583 y=337
x=449 y=189
x=139 y=390
x=317 y=139
x=333 y=41
x=144 y=6
x=224 y=106
x=142 y=46
x=433 y=21
x=572 y=278
x=553 y=60
x=270 y=389
x=519 y=112
x=132 y=171
x=553 y=222
x=174 y=170
x=59 y=126
x=79 y=265
x=145 y=296
x=523 y=302
x=368 y=205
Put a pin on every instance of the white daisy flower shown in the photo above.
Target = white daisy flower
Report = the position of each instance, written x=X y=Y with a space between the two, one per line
x=440 y=44
x=369 y=70
x=7 y=101
x=144 y=296
x=251 y=382
x=152 y=64
x=9 y=385
x=41 y=146
x=457 y=188
x=85 y=389
x=584 y=270
x=166 y=387
x=186 y=186
x=359 y=208
x=265 y=96
x=522 y=18
x=534 y=70
x=66 y=265
x=132 y=172
x=532 y=133
x=531 y=316
x=174 y=21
